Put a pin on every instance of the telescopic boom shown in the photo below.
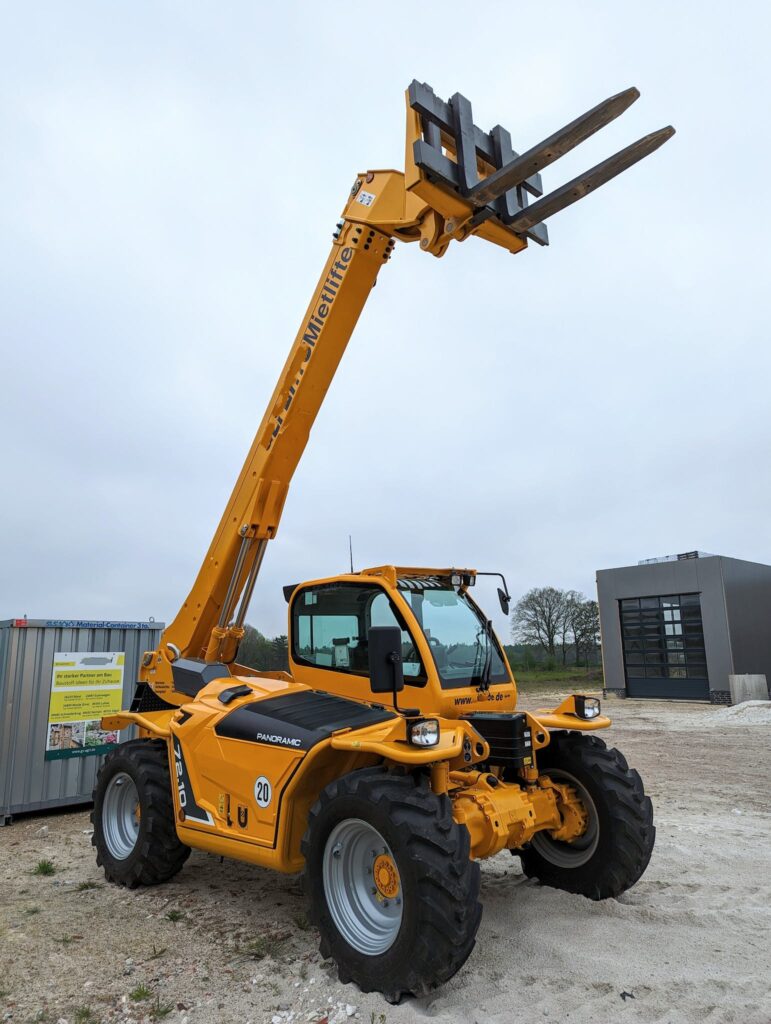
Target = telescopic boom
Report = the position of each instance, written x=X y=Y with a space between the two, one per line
x=458 y=181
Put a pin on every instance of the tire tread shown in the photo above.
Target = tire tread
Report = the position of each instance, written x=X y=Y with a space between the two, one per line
x=160 y=854
x=448 y=882
x=632 y=833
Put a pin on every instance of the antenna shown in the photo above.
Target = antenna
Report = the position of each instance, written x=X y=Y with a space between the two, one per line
x=350 y=551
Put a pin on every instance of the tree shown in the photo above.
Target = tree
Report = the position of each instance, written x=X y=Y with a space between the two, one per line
x=586 y=629
x=258 y=652
x=572 y=602
x=538 y=618
x=281 y=653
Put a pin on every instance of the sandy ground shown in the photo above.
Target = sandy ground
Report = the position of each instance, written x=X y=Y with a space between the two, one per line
x=228 y=942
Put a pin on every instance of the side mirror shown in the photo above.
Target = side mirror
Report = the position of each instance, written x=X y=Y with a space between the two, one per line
x=385 y=659
x=504 y=599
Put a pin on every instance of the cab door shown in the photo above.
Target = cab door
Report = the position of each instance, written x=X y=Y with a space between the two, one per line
x=328 y=649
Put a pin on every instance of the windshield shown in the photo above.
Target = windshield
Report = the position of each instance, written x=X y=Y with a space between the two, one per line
x=464 y=653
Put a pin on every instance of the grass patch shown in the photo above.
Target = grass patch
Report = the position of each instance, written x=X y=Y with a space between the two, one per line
x=158 y=1010
x=84 y=1015
x=157 y=953
x=270 y=945
x=67 y=940
x=301 y=921
x=29 y=911
x=140 y=993
x=44 y=867
x=567 y=680
x=175 y=915
x=86 y=886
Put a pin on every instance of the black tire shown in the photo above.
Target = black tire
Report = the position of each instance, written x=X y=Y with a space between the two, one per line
x=157 y=854
x=623 y=813
x=439 y=883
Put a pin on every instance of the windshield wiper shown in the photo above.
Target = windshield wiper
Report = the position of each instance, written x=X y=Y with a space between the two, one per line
x=484 y=677
x=474 y=673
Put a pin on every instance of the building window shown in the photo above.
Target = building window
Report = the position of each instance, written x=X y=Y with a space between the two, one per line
x=663 y=637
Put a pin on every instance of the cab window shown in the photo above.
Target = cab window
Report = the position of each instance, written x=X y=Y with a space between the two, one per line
x=330 y=624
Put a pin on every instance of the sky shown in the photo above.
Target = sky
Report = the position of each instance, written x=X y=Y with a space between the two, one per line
x=170 y=174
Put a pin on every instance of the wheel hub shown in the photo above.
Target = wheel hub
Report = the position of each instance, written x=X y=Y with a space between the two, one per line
x=362 y=886
x=121 y=816
x=386 y=877
x=575 y=843
x=575 y=819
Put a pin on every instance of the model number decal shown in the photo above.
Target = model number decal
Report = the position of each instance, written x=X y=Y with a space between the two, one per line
x=365 y=198
x=187 y=802
x=181 y=790
x=263 y=792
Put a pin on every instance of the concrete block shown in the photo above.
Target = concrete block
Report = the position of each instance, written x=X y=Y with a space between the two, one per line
x=748 y=687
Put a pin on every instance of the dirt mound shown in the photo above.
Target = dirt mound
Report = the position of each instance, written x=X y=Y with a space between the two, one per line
x=755 y=712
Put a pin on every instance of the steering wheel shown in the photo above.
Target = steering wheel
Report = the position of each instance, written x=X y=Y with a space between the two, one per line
x=412 y=653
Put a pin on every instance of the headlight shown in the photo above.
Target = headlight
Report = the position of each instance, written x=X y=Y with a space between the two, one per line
x=587 y=707
x=424 y=732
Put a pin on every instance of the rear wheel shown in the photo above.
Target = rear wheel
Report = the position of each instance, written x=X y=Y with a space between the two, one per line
x=618 y=841
x=133 y=817
x=390 y=883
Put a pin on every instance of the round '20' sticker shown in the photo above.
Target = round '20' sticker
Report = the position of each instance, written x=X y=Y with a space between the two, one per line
x=263 y=793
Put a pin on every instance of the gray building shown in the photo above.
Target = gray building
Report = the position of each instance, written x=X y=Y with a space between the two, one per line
x=679 y=627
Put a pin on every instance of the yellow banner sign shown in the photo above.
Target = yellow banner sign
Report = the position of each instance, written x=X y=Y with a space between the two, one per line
x=85 y=686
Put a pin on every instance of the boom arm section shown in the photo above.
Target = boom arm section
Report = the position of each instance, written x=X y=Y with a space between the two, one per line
x=210 y=623
x=458 y=181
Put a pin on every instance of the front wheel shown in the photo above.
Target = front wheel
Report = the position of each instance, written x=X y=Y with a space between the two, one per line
x=390 y=884
x=617 y=844
x=133 y=817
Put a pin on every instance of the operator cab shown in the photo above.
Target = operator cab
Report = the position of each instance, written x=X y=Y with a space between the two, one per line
x=450 y=655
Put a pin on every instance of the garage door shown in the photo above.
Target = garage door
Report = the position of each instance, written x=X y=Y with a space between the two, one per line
x=664 y=647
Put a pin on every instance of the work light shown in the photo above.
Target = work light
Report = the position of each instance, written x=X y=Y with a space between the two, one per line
x=587 y=707
x=424 y=732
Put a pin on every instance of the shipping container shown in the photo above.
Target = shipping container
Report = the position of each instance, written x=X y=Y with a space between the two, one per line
x=57 y=677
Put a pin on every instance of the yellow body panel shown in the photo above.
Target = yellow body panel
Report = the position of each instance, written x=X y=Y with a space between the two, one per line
x=216 y=778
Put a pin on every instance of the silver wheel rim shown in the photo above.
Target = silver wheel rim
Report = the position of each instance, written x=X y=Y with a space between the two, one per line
x=582 y=849
x=120 y=817
x=364 y=916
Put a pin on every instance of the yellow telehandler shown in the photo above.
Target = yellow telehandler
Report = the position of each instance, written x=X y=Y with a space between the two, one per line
x=391 y=757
